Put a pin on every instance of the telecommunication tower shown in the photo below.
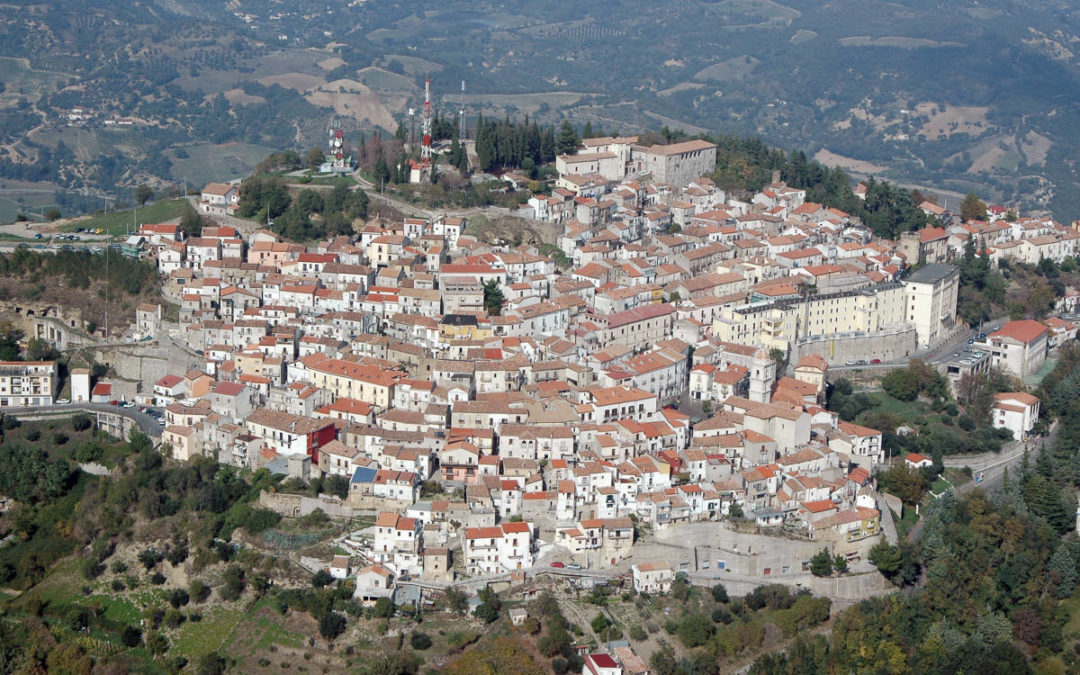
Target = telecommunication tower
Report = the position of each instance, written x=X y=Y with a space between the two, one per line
x=336 y=144
x=425 y=148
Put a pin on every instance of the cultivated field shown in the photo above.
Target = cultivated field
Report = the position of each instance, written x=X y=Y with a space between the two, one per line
x=525 y=103
x=20 y=80
x=952 y=119
x=210 y=163
x=732 y=69
x=896 y=42
x=350 y=98
x=848 y=163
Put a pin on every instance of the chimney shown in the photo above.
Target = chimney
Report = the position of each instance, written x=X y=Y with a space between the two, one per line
x=776 y=176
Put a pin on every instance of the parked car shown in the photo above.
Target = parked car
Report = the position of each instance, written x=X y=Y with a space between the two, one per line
x=875 y=361
x=558 y=564
x=574 y=566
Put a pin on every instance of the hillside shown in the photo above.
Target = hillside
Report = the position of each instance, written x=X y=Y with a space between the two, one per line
x=860 y=84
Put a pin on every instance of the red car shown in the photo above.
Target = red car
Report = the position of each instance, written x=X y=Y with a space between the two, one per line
x=558 y=564
x=114 y=402
x=875 y=361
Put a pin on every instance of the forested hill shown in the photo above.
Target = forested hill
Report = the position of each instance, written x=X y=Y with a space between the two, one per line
x=990 y=579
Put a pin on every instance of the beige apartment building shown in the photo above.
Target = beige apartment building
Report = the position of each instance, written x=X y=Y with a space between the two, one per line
x=932 y=291
x=926 y=301
x=778 y=324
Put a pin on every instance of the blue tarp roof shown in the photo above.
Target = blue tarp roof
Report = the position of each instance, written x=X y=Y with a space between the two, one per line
x=363 y=475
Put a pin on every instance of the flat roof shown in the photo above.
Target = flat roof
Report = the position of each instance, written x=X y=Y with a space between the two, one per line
x=931 y=273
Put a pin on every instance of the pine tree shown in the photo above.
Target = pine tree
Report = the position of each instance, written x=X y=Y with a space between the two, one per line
x=547 y=146
x=382 y=171
x=485 y=147
x=587 y=132
x=568 y=139
x=1062 y=569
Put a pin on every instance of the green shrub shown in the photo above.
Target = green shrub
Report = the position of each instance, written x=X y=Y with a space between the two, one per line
x=420 y=641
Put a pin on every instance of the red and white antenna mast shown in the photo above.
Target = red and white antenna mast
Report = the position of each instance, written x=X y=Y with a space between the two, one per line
x=425 y=148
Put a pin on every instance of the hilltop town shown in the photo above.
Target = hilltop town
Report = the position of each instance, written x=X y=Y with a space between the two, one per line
x=652 y=405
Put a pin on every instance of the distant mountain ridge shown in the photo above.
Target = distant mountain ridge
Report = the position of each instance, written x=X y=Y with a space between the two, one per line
x=960 y=95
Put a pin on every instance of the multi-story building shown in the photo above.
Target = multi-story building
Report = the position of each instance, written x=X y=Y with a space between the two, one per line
x=676 y=164
x=499 y=549
x=27 y=383
x=635 y=328
x=1016 y=411
x=932 y=292
x=290 y=434
x=397 y=542
x=1019 y=347
x=653 y=577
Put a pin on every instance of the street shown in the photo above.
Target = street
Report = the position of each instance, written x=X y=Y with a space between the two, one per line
x=990 y=468
x=148 y=424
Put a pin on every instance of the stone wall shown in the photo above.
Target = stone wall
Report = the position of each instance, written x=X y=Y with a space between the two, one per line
x=61 y=326
x=837 y=350
x=144 y=363
x=295 y=506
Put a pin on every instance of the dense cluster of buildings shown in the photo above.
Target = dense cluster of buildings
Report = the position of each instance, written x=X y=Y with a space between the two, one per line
x=567 y=411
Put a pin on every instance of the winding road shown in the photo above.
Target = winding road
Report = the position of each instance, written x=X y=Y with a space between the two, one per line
x=147 y=423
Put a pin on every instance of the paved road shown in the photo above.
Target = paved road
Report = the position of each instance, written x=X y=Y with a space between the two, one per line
x=939 y=354
x=148 y=424
x=990 y=471
x=989 y=468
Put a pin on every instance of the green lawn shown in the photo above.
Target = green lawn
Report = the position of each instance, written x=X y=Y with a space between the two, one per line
x=118 y=609
x=121 y=222
x=915 y=411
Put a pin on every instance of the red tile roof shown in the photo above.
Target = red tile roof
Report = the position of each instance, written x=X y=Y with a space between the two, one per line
x=1025 y=331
